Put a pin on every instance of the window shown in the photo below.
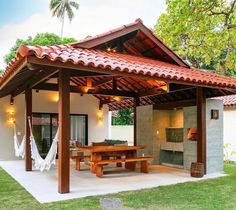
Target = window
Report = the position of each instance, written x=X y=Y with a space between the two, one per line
x=45 y=127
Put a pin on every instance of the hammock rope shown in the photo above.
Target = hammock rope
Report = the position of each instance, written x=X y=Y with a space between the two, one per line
x=39 y=163
x=19 y=147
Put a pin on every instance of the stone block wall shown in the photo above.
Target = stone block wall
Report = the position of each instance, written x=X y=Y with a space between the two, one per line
x=190 y=147
x=214 y=136
x=145 y=129
x=151 y=125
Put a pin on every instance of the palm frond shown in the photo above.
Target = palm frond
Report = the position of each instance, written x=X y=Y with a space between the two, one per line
x=69 y=12
x=74 y=4
x=54 y=3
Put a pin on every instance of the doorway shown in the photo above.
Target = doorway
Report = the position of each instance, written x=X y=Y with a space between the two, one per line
x=45 y=126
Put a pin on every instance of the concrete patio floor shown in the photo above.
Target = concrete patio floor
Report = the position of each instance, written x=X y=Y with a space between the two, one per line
x=43 y=185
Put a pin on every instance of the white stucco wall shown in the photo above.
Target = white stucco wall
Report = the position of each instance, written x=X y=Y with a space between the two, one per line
x=123 y=132
x=230 y=130
x=45 y=101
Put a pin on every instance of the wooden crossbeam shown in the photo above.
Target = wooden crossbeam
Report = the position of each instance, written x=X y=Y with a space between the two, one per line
x=86 y=90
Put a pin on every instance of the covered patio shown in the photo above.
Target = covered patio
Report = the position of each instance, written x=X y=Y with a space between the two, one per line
x=124 y=68
x=86 y=184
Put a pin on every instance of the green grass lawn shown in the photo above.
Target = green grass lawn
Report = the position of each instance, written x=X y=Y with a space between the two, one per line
x=214 y=194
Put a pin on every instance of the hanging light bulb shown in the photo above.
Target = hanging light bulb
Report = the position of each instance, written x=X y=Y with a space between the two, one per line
x=12 y=101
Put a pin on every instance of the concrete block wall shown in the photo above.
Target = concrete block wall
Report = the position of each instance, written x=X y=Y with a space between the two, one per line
x=151 y=128
x=190 y=147
x=214 y=131
x=145 y=129
x=161 y=120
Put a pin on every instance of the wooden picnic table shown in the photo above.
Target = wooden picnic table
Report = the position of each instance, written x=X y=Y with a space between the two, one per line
x=99 y=153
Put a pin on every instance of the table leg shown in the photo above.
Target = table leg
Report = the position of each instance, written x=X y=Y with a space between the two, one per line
x=95 y=157
x=77 y=163
x=118 y=164
x=132 y=165
x=144 y=166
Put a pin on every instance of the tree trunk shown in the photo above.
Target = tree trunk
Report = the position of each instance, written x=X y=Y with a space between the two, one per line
x=62 y=25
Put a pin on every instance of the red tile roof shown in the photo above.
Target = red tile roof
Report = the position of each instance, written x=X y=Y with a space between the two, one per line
x=228 y=100
x=121 y=62
x=87 y=54
x=147 y=37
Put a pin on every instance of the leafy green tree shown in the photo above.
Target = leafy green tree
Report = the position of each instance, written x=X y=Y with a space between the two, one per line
x=123 y=117
x=201 y=32
x=40 y=39
x=60 y=7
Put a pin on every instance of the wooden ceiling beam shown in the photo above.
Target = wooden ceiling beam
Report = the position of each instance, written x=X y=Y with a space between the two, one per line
x=78 y=67
x=37 y=78
x=175 y=104
x=86 y=90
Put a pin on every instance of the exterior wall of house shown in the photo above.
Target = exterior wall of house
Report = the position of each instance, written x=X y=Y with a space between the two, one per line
x=46 y=101
x=230 y=132
x=123 y=132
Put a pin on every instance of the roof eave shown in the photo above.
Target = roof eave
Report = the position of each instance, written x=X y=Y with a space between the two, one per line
x=22 y=63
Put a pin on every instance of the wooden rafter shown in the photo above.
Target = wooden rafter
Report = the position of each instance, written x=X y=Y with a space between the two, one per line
x=38 y=78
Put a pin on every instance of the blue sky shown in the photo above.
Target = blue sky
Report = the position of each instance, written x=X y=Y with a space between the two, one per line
x=15 y=11
x=23 y=18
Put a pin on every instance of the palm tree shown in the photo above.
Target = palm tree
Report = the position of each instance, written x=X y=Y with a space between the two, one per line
x=60 y=7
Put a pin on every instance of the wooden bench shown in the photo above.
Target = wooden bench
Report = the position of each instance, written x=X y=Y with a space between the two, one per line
x=78 y=159
x=143 y=160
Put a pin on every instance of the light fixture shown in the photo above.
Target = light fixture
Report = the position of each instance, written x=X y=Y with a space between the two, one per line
x=55 y=97
x=100 y=117
x=12 y=101
x=11 y=117
x=215 y=114
x=117 y=98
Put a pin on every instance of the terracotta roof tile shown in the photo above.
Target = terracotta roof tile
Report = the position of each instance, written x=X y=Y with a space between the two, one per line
x=119 y=62
x=228 y=100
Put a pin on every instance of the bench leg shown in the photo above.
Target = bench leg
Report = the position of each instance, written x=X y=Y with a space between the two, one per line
x=118 y=164
x=77 y=164
x=144 y=166
x=94 y=158
x=99 y=170
x=130 y=166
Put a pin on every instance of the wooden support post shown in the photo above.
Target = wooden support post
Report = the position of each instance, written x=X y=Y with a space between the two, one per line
x=64 y=132
x=136 y=103
x=28 y=113
x=201 y=127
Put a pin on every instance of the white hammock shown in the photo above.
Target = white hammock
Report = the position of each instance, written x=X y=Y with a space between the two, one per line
x=19 y=147
x=39 y=162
